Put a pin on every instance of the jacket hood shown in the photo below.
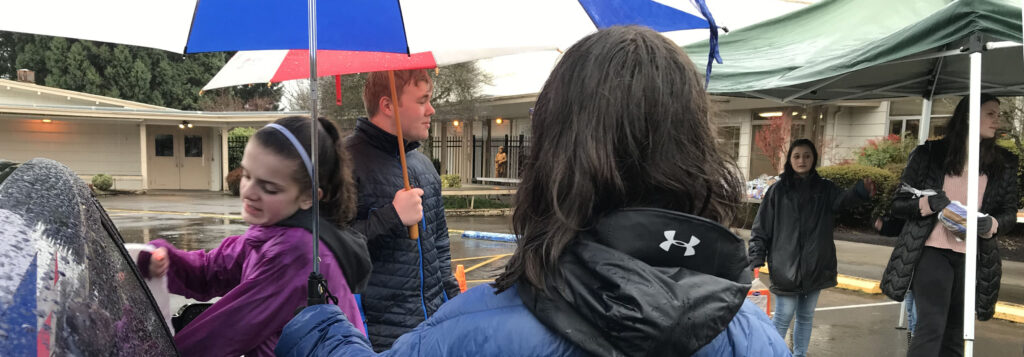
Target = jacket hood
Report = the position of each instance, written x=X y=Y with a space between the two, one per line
x=347 y=245
x=644 y=282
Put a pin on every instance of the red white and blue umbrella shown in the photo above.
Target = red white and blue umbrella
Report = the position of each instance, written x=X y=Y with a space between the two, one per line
x=274 y=66
x=451 y=31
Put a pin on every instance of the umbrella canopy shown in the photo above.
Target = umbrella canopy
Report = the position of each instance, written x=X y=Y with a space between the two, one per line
x=454 y=30
x=451 y=30
x=869 y=49
x=268 y=66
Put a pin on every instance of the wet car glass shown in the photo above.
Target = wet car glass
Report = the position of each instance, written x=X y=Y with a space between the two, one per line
x=67 y=285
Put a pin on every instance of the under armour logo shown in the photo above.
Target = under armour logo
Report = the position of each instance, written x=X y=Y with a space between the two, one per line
x=670 y=241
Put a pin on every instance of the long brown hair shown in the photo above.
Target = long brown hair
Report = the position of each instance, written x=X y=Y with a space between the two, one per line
x=956 y=135
x=622 y=121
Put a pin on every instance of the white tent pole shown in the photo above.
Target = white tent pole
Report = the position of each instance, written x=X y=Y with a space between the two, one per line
x=924 y=129
x=970 y=258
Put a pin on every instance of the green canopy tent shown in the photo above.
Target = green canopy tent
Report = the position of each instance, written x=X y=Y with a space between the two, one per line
x=869 y=49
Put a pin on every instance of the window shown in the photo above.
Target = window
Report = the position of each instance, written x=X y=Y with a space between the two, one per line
x=164 y=144
x=729 y=141
x=905 y=116
x=193 y=146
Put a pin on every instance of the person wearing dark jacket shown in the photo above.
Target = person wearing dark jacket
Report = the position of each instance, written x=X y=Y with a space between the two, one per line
x=793 y=232
x=411 y=278
x=621 y=250
x=928 y=257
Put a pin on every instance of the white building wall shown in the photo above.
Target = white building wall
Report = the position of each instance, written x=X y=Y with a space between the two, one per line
x=850 y=129
x=742 y=119
x=86 y=148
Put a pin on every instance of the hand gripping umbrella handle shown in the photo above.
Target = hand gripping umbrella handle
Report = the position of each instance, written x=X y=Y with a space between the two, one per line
x=414 y=232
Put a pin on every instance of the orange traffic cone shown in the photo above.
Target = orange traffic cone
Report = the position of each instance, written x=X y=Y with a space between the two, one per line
x=460 y=276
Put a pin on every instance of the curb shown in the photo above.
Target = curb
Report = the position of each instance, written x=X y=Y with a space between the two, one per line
x=478 y=212
x=1010 y=312
x=859 y=284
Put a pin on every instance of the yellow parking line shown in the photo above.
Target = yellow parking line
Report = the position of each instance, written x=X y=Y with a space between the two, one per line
x=481 y=257
x=488 y=261
x=190 y=214
x=456 y=231
x=480 y=281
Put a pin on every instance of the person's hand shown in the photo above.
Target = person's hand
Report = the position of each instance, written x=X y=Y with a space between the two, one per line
x=984 y=226
x=409 y=205
x=938 y=202
x=756 y=262
x=869 y=185
x=158 y=263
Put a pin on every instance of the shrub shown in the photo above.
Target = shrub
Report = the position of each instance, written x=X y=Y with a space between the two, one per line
x=451 y=181
x=437 y=164
x=102 y=182
x=462 y=202
x=888 y=150
x=895 y=168
x=846 y=176
x=234 y=180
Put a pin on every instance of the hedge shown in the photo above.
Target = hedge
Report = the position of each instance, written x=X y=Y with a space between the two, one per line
x=845 y=176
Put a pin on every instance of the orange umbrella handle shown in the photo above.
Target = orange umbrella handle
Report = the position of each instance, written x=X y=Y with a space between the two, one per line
x=414 y=231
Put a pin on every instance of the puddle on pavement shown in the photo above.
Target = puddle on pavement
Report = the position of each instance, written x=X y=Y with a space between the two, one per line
x=187 y=233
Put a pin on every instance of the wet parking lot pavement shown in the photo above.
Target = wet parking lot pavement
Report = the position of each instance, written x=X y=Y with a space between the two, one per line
x=846 y=324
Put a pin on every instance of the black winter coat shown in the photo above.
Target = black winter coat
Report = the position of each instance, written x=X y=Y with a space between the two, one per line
x=793 y=229
x=410 y=278
x=925 y=171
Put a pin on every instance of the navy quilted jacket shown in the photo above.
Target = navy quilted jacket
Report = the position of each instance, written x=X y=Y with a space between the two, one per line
x=410 y=278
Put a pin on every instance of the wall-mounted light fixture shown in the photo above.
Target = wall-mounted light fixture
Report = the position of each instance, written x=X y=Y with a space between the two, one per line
x=770 y=114
x=184 y=124
x=498 y=121
x=455 y=123
x=47 y=121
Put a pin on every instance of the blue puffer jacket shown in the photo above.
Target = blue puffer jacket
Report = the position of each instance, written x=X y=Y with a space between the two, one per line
x=480 y=323
x=643 y=282
x=411 y=278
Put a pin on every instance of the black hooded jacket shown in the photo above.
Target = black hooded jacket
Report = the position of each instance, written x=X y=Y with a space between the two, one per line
x=644 y=282
x=793 y=230
x=347 y=245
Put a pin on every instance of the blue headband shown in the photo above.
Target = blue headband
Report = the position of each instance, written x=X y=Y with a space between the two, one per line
x=298 y=146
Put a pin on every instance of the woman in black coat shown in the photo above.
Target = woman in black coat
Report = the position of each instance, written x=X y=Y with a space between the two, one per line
x=929 y=258
x=793 y=230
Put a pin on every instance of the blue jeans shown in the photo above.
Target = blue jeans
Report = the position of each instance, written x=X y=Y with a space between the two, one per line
x=911 y=312
x=803 y=307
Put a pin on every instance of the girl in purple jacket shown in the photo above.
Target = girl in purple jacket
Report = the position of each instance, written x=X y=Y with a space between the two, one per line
x=261 y=275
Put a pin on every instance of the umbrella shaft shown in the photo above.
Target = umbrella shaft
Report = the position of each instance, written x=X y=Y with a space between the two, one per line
x=313 y=102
